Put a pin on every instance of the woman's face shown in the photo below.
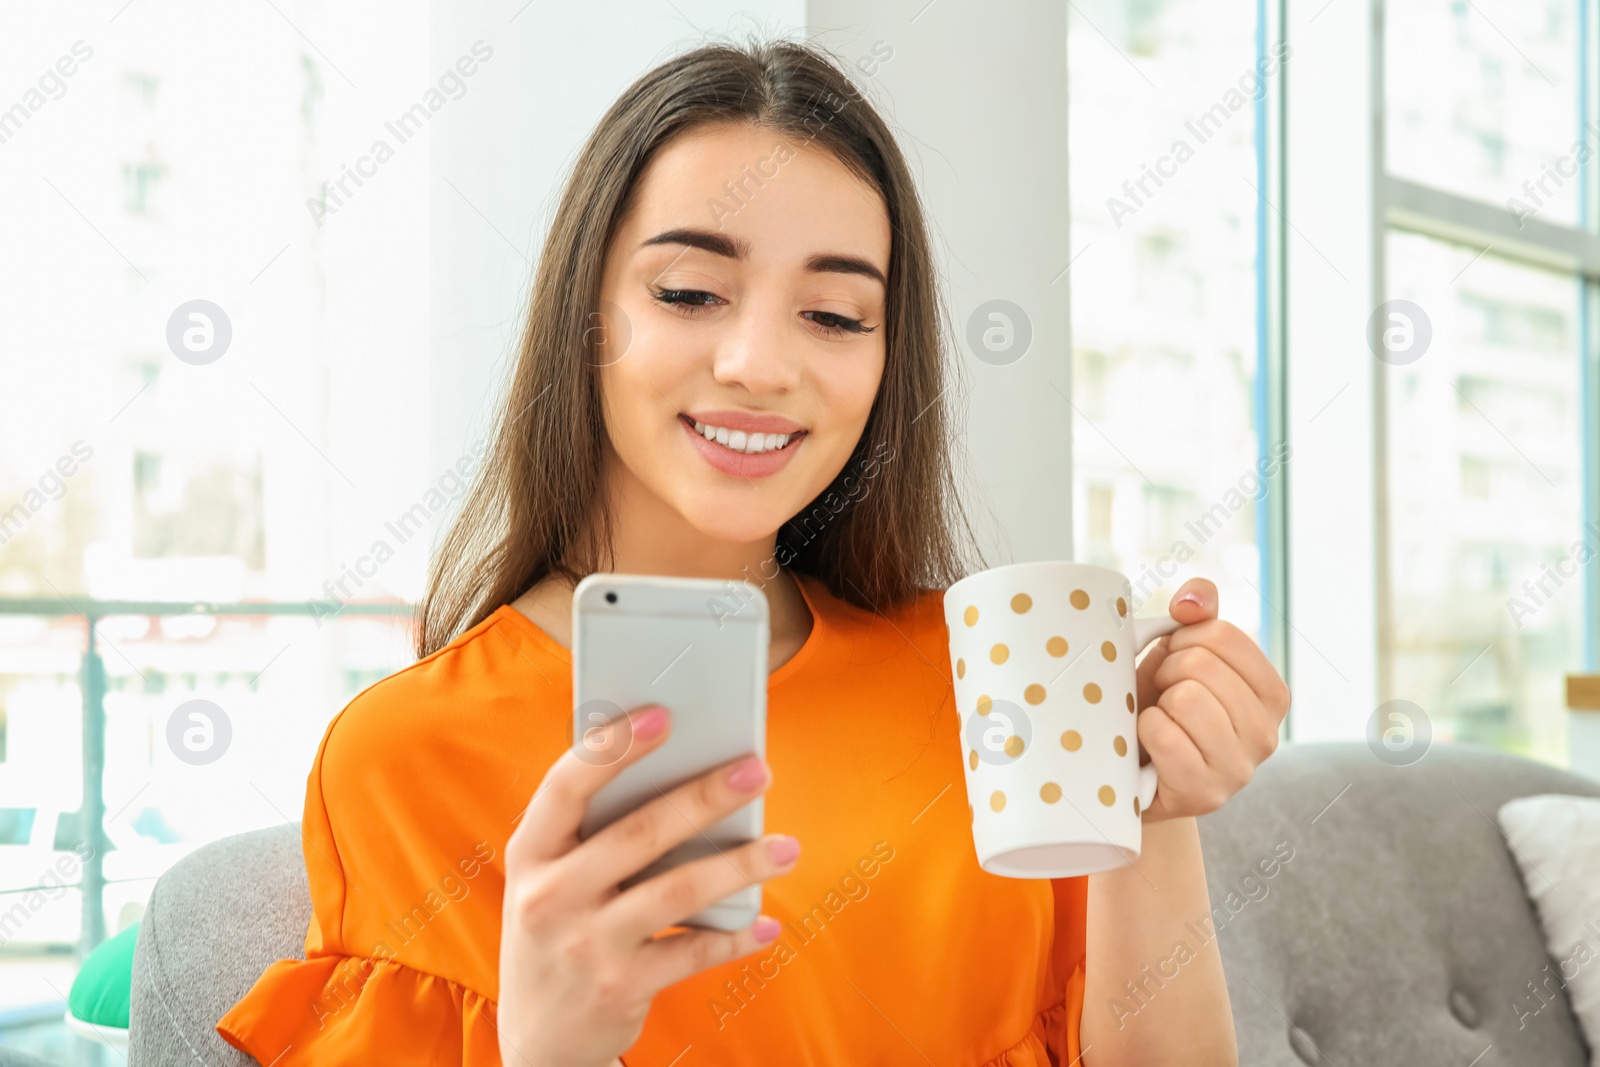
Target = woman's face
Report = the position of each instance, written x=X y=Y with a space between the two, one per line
x=744 y=291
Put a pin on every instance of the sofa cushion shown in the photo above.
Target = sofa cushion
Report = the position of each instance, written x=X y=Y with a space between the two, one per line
x=1399 y=931
x=214 y=922
x=97 y=1003
x=1556 y=842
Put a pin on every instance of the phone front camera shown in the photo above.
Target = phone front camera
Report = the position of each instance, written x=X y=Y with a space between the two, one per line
x=611 y=598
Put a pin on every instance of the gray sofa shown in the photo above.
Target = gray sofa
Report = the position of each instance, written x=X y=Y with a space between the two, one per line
x=1367 y=914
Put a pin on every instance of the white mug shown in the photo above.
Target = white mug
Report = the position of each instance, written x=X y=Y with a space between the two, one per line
x=1043 y=660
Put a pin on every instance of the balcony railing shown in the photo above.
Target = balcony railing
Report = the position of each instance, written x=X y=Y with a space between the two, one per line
x=94 y=688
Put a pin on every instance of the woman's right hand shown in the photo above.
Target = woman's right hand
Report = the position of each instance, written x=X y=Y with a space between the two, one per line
x=578 y=964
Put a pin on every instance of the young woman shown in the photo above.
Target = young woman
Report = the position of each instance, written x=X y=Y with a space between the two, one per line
x=733 y=368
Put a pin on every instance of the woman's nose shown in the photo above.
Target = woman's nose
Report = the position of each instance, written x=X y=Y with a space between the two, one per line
x=760 y=351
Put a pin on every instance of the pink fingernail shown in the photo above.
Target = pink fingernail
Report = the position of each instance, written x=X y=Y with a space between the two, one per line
x=783 y=849
x=650 y=723
x=747 y=774
x=766 y=928
x=1191 y=598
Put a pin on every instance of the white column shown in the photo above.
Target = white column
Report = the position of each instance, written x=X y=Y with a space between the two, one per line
x=977 y=96
x=1332 y=257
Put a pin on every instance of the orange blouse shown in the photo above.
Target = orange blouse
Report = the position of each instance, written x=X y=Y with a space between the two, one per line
x=896 y=947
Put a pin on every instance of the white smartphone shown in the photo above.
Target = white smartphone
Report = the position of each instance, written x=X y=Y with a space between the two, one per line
x=697 y=646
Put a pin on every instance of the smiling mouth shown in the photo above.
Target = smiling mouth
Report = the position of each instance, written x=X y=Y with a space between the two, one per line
x=742 y=443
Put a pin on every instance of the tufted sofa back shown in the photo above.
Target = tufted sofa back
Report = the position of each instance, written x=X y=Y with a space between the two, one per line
x=1399 y=931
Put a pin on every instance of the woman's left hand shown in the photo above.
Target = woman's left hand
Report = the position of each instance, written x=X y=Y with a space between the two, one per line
x=1210 y=705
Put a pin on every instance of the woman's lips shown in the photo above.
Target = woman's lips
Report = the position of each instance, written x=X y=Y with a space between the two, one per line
x=725 y=460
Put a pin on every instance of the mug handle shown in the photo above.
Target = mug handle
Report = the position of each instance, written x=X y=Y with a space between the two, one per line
x=1146 y=630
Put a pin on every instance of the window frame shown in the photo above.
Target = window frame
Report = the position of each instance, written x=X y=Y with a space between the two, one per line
x=1334 y=83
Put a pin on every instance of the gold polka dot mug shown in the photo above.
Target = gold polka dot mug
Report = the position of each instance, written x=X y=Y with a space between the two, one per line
x=1042 y=659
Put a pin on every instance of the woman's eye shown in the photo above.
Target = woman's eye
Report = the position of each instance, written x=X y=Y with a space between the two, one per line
x=693 y=301
x=688 y=301
x=838 y=325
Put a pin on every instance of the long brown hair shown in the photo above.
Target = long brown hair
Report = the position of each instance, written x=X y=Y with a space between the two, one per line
x=884 y=529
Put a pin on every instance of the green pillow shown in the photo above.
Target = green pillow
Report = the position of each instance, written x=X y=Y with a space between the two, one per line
x=100 y=992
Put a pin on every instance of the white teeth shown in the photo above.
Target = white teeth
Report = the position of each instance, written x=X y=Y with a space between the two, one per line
x=740 y=441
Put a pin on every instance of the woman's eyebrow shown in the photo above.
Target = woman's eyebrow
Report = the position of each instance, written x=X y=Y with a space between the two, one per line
x=721 y=244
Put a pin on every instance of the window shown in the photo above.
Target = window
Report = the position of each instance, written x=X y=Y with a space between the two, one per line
x=265 y=475
x=1483 y=96
x=1442 y=511
x=1485 y=473
x=1486 y=175
x=1162 y=140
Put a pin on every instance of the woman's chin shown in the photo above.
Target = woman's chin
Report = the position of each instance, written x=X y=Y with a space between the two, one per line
x=749 y=529
x=732 y=514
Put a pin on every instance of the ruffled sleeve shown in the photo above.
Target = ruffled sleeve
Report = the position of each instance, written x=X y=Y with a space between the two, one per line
x=399 y=960
x=1063 y=1019
x=337 y=1010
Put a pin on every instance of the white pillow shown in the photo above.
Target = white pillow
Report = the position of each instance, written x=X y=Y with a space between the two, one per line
x=1555 y=840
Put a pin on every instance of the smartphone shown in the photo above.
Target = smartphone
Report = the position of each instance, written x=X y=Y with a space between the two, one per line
x=697 y=646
